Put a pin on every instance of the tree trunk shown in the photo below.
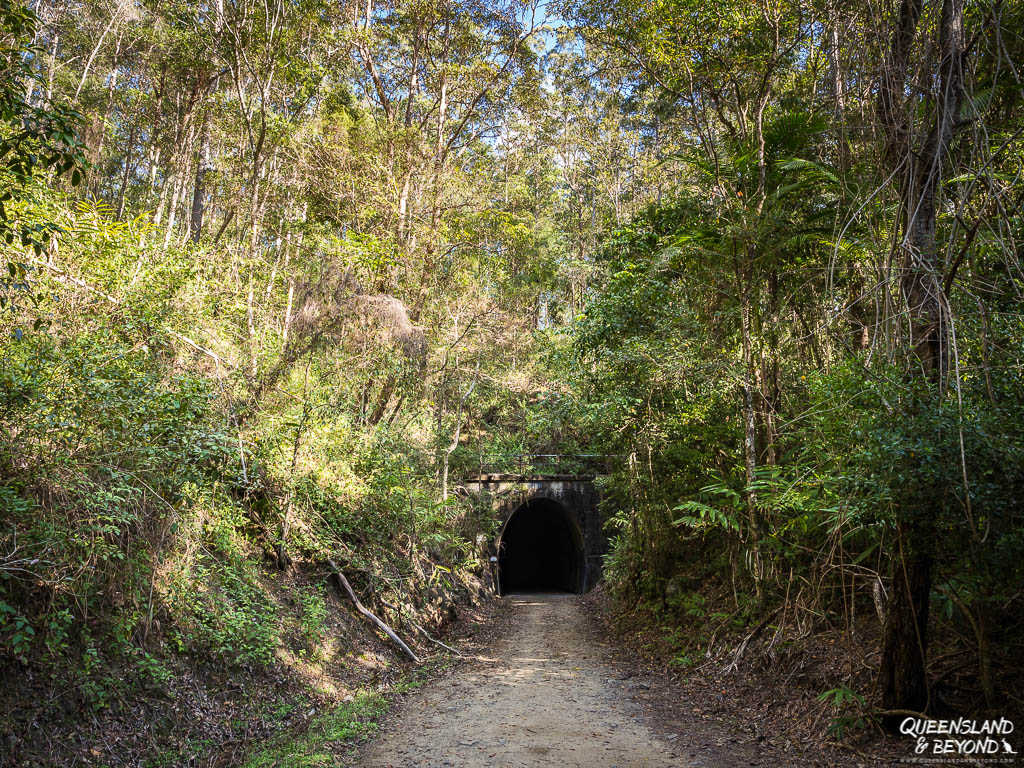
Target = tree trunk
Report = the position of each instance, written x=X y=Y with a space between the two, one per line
x=121 y=195
x=455 y=439
x=750 y=437
x=905 y=638
x=203 y=167
x=154 y=144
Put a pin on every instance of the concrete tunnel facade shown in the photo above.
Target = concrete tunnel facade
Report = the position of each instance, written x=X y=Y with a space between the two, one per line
x=552 y=535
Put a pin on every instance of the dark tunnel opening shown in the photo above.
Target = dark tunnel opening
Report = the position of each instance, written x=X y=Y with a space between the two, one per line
x=541 y=550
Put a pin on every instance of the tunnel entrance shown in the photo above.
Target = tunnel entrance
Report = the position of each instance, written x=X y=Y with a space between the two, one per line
x=540 y=550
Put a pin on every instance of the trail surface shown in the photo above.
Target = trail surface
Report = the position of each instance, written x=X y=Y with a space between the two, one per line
x=544 y=697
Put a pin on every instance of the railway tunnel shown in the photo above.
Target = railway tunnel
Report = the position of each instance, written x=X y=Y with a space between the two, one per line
x=541 y=549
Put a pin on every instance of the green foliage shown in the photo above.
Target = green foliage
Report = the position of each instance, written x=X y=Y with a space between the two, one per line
x=328 y=737
x=691 y=604
x=37 y=141
x=744 y=344
x=843 y=698
x=17 y=632
x=222 y=608
x=314 y=612
x=140 y=497
x=279 y=315
x=708 y=517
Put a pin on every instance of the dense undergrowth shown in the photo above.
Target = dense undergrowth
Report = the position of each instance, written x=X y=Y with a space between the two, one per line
x=810 y=349
x=753 y=565
x=152 y=529
x=208 y=400
x=278 y=275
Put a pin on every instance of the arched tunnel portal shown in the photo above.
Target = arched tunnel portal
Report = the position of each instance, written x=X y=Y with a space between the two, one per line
x=541 y=549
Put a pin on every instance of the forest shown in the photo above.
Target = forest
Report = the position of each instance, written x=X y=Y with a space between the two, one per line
x=277 y=276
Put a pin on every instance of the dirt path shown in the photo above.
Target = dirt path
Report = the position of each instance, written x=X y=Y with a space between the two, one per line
x=547 y=697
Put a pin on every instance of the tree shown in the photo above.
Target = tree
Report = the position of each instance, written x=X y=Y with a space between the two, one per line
x=37 y=139
x=918 y=155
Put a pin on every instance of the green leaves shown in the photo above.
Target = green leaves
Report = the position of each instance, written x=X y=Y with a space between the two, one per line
x=843 y=697
x=706 y=517
x=39 y=141
x=16 y=632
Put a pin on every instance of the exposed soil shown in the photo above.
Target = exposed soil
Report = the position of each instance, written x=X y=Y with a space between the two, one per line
x=547 y=693
x=557 y=680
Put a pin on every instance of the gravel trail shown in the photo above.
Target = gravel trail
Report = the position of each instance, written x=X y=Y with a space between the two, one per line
x=543 y=697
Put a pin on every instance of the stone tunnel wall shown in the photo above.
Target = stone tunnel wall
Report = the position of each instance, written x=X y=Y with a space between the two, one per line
x=578 y=495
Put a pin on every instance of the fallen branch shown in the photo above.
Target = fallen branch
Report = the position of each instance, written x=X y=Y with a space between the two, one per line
x=904 y=712
x=420 y=629
x=434 y=640
x=369 y=614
